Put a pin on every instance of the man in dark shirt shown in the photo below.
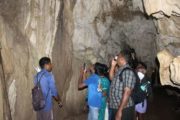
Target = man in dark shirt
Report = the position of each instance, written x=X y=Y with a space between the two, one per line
x=121 y=103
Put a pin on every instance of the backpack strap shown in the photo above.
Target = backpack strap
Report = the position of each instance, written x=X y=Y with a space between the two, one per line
x=39 y=84
x=128 y=68
x=39 y=80
x=120 y=75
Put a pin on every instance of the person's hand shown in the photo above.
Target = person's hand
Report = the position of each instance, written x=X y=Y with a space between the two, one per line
x=118 y=115
x=83 y=71
x=91 y=68
x=113 y=63
x=60 y=104
x=104 y=93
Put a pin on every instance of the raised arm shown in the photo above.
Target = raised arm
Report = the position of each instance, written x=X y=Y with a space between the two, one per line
x=81 y=80
x=112 y=69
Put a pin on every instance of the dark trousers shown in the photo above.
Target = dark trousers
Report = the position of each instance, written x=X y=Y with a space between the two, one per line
x=41 y=115
x=127 y=113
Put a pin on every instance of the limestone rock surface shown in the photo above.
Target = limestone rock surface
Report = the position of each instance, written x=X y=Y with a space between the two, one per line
x=27 y=32
x=161 y=8
x=169 y=68
x=167 y=14
x=175 y=70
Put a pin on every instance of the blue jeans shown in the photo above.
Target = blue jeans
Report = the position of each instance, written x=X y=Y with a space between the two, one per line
x=93 y=113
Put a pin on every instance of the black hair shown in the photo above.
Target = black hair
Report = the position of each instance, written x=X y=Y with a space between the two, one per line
x=43 y=61
x=130 y=56
x=142 y=64
x=100 y=69
x=126 y=55
x=105 y=70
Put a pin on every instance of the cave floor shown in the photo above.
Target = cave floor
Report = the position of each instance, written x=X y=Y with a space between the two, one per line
x=160 y=107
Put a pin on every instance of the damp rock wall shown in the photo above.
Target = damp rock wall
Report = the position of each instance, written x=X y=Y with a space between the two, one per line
x=27 y=32
x=169 y=68
x=167 y=14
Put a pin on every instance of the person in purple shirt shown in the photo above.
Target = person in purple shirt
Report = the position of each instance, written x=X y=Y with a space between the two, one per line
x=48 y=87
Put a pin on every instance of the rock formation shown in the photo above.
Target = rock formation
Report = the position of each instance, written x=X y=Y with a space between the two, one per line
x=167 y=13
x=27 y=32
x=169 y=69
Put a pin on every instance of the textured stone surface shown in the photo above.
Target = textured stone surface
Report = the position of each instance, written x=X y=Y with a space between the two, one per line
x=161 y=8
x=165 y=59
x=12 y=97
x=169 y=68
x=168 y=27
x=167 y=13
x=175 y=70
x=27 y=32
x=103 y=29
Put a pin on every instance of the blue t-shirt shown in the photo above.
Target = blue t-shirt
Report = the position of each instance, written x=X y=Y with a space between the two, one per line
x=94 y=97
x=48 y=87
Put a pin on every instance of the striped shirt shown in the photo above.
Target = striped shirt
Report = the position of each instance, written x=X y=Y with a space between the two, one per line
x=117 y=87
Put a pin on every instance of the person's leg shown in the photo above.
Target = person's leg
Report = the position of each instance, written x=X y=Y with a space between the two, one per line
x=136 y=116
x=39 y=115
x=93 y=113
x=90 y=113
x=128 y=113
x=112 y=114
x=100 y=116
x=52 y=117
x=42 y=115
x=102 y=111
x=140 y=116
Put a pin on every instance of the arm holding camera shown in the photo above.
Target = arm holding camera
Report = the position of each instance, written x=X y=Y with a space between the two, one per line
x=112 y=69
x=82 y=77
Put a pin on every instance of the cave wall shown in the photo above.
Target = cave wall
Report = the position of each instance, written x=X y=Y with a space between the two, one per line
x=102 y=30
x=93 y=31
x=167 y=14
x=71 y=32
x=27 y=32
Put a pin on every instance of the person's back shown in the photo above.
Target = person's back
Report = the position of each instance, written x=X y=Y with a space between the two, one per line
x=94 y=97
x=105 y=84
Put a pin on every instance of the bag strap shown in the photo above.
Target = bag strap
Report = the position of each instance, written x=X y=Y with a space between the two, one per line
x=39 y=80
x=38 y=83
x=127 y=68
x=120 y=75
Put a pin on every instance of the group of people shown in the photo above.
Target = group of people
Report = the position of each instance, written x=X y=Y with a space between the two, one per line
x=110 y=89
x=109 y=94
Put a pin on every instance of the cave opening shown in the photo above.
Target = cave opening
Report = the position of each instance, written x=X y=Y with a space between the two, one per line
x=74 y=32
